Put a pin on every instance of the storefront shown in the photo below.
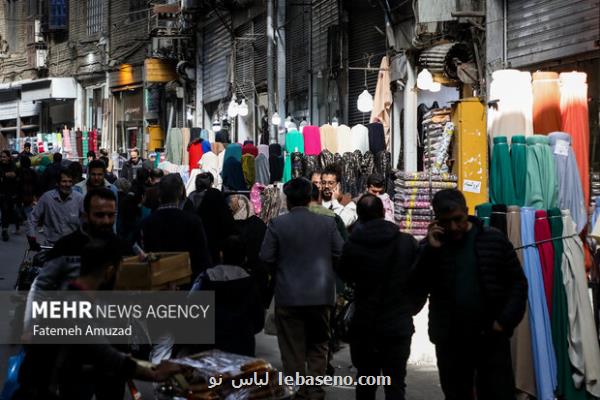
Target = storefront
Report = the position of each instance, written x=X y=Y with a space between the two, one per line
x=126 y=85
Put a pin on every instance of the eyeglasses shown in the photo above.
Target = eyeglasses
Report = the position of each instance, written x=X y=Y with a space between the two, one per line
x=457 y=219
x=328 y=183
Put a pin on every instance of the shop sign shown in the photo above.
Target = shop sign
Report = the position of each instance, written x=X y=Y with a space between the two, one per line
x=159 y=71
x=471 y=186
x=126 y=75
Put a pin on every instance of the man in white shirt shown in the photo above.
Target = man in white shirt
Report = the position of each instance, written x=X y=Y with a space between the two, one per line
x=334 y=199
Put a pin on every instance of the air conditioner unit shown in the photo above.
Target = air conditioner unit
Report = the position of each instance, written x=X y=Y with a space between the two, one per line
x=38 y=36
x=41 y=58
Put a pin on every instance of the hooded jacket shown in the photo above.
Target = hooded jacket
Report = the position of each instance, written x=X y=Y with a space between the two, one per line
x=378 y=260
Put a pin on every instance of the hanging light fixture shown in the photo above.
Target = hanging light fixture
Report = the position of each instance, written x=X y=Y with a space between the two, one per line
x=435 y=87
x=365 y=102
x=243 y=108
x=276 y=119
x=216 y=126
x=334 y=122
x=233 y=109
x=424 y=79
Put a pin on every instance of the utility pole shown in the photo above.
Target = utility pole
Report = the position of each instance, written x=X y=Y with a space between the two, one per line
x=281 y=65
x=271 y=69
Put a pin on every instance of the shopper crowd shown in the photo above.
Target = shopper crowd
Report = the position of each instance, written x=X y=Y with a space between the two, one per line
x=469 y=272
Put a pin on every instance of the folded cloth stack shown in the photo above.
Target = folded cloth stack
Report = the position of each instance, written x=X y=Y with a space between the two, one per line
x=438 y=131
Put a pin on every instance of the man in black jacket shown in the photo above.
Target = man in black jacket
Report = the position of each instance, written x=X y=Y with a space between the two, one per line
x=477 y=296
x=378 y=259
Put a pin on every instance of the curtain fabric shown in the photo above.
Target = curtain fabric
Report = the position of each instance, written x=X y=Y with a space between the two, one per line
x=502 y=190
x=518 y=158
x=546 y=102
x=541 y=189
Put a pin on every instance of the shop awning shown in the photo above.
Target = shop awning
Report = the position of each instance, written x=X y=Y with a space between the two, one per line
x=51 y=88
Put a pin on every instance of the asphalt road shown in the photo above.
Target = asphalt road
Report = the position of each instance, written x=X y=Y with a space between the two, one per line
x=422 y=379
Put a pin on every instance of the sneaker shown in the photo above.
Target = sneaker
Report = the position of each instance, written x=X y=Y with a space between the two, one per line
x=5 y=236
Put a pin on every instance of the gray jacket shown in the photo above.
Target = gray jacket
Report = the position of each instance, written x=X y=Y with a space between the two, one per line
x=303 y=246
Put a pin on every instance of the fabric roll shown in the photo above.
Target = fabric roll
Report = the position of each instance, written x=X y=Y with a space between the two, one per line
x=233 y=175
x=359 y=136
x=575 y=121
x=249 y=169
x=195 y=154
x=376 y=137
x=264 y=150
x=84 y=147
x=294 y=143
x=312 y=140
x=210 y=163
x=67 y=141
x=546 y=102
x=542 y=346
x=275 y=162
x=546 y=252
x=570 y=192
x=185 y=133
x=584 y=351
x=329 y=138
x=484 y=213
x=541 y=191
x=560 y=315
x=521 y=350
x=262 y=172
x=502 y=190
x=518 y=159
x=498 y=218
x=250 y=148
x=512 y=114
x=344 y=139
x=234 y=150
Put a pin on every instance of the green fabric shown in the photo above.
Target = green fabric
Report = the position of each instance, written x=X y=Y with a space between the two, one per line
x=541 y=190
x=294 y=142
x=85 y=147
x=484 y=212
x=502 y=190
x=468 y=293
x=560 y=317
x=518 y=158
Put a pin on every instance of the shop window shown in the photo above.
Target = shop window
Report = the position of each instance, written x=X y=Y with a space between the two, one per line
x=137 y=9
x=58 y=15
x=94 y=16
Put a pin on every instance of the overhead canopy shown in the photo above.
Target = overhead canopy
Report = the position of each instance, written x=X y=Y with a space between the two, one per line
x=51 y=88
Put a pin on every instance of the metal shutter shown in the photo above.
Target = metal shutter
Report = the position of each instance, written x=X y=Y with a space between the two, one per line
x=217 y=50
x=260 y=51
x=244 y=60
x=363 y=39
x=542 y=30
x=297 y=50
x=324 y=15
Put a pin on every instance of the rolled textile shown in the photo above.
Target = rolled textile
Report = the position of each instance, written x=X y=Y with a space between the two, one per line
x=575 y=121
x=312 y=140
x=233 y=175
x=262 y=173
x=546 y=102
x=498 y=218
x=544 y=358
x=570 y=192
x=376 y=137
x=584 y=351
x=522 y=357
x=359 y=135
x=329 y=138
x=502 y=190
x=210 y=163
x=541 y=191
x=294 y=142
x=441 y=154
x=233 y=150
x=185 y=133
x=195 y=154
x=250 y=148
x=546 y=252
x=344 y=139
x=518 y=158
x=249 y=169
x=512 y=113
x=275 y=162
x=415 y=204
x=484 y=212
x=263 y=149
x=560 y=315
x=425 y=184
x=424 y=176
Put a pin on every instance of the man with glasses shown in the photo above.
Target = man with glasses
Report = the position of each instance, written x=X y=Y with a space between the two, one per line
x=334 y=199
x=477 y=297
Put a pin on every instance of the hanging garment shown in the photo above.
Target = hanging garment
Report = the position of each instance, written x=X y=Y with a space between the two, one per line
x=256 y=197
x=297 y=160
x=264 y=150
x=484 y=213
x=546 y=103
x=522 y=357
x=326 y=159
x=349 y=174
x=546 y=252
x=382 y=102
x=584 y=351
x=383 y=166
x=359 y=136
x=312 y=140
x=195 y=134
x=541 y=191
x=311 y=165
x=376 y=137
x=185 y=134
x=498 y=218
x=329 y=138
x=250 y=148
x=560 y=315
x=294 y=142
x=210 y=163
x=75 y=143
x=84 y=147
x=275 y=162
x=195 y=154
x=262 y=173
x=575 y=121
x=357 y=158
x=570 y=193
x=233 y=175
x=249 y=169
x=541 y=338
x=367 y=169
x=502 y=190
x=233 y=150
x=518 y=158
x=512 y=112
x=206 y=146
x=174 y=146
x=344 y=139
x=67 y=142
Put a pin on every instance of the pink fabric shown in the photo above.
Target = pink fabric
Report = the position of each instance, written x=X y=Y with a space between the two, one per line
x=255 y=197
x=312 y=140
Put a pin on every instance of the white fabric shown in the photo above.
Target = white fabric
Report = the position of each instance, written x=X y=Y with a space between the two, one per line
x=344 y=139
x=210 y=163
x=584 y=351
x=190 y=186
x=359 y=136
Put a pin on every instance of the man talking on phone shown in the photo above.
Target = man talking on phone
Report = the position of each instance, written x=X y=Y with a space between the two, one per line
x=477 y=296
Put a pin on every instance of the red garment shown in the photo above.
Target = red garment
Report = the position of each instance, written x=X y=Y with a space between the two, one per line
x=93 y=140
x=250 y=149
x=195 y=151
x=546 y=251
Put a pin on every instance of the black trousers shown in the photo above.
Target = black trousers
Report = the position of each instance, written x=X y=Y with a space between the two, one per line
x=381 y=356
x=482 y=365
x=7 y=209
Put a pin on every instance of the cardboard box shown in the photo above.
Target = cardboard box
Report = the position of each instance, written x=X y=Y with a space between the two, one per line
x=168 y=269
